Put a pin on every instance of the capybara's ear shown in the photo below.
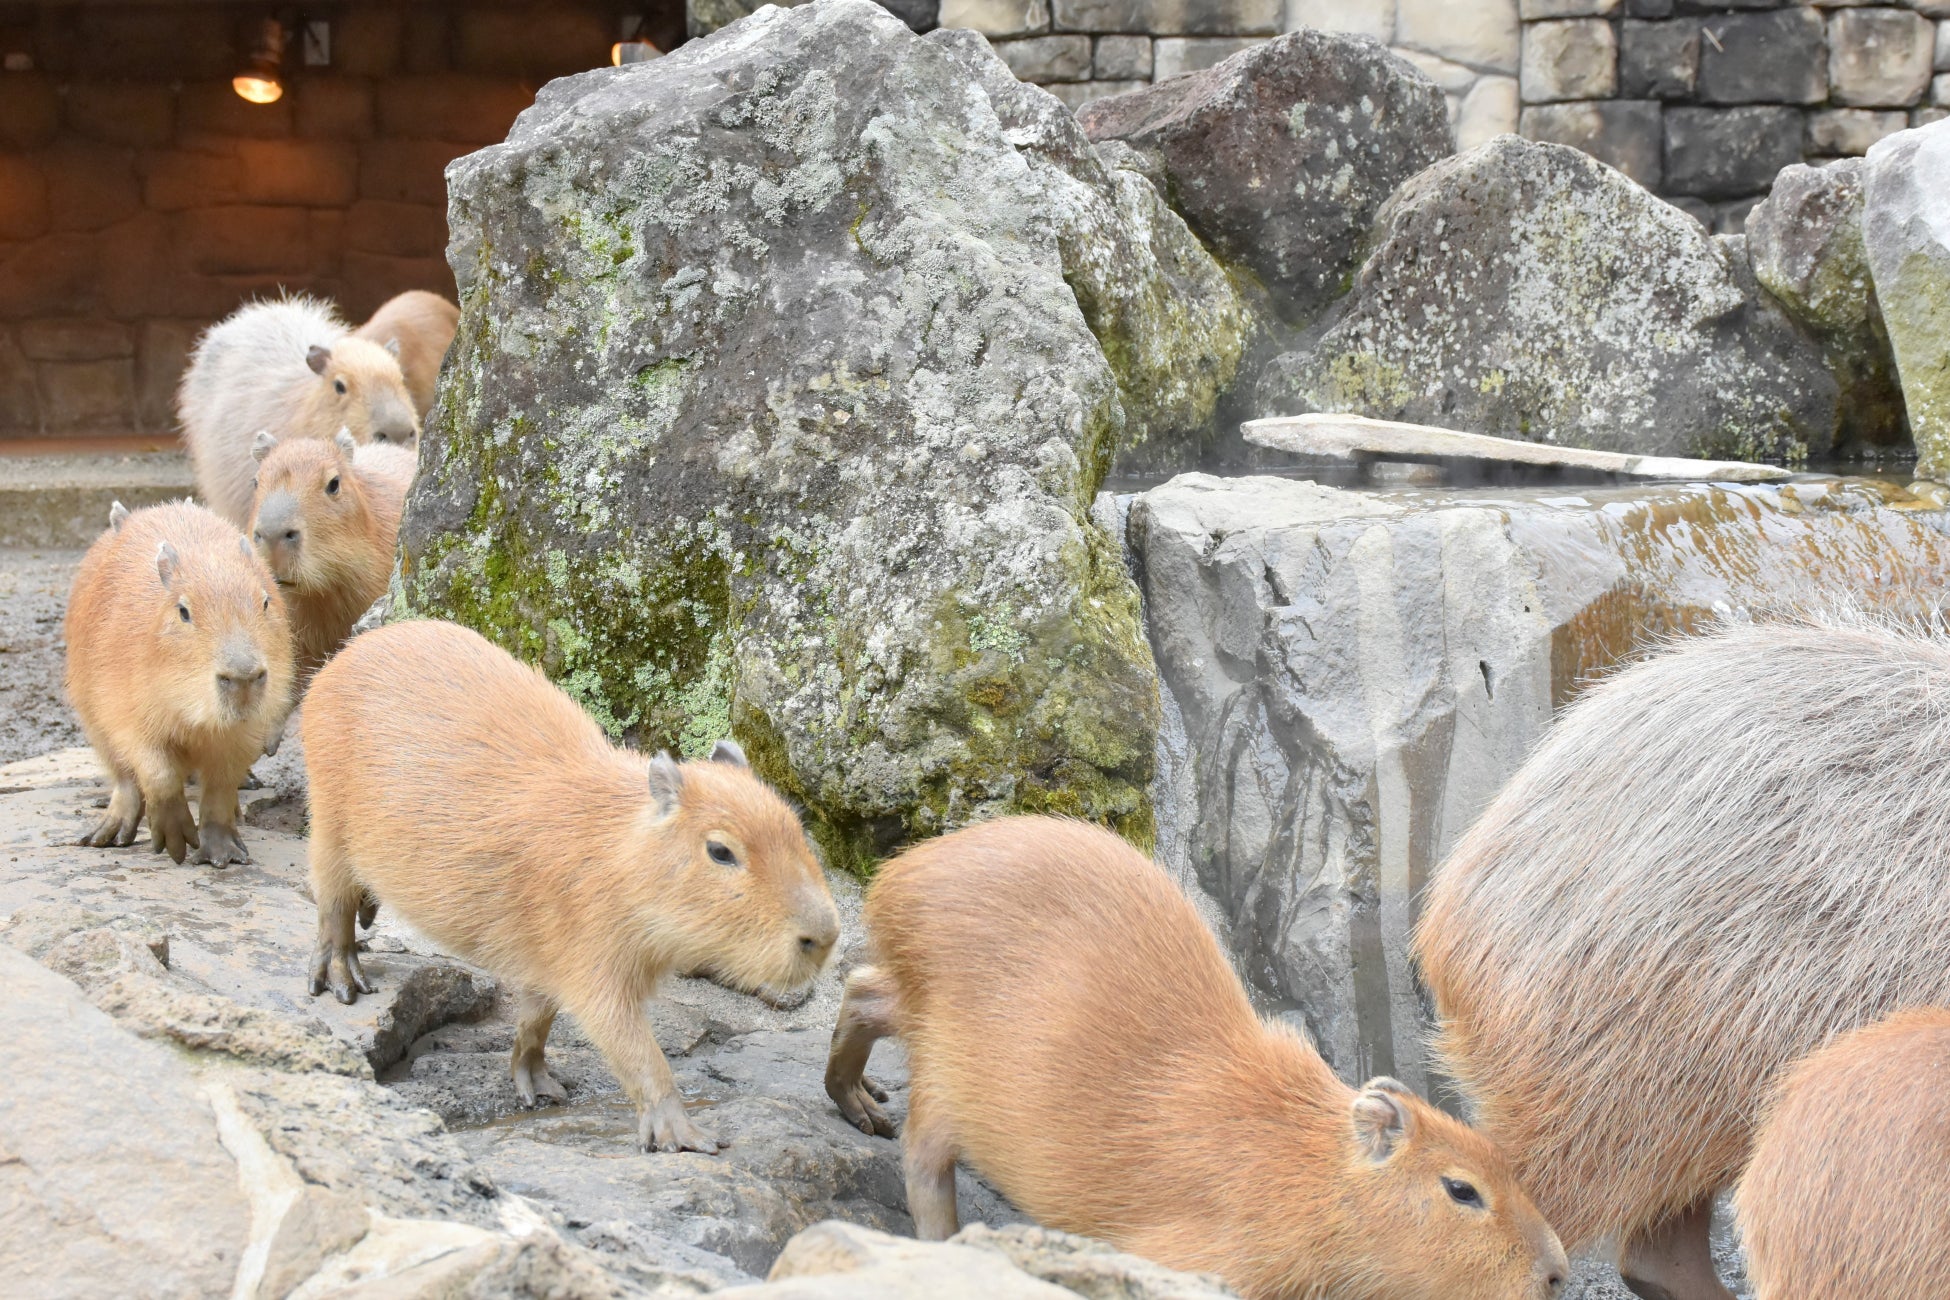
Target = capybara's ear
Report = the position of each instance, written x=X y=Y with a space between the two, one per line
x=244 y=545
x=166 y=562
x=666 y=783
x=117 y=512
x=318 y=358
x=343 y=441
x=1382 y=1119
x=392 y=346
x=728 y=751
x=261 y=445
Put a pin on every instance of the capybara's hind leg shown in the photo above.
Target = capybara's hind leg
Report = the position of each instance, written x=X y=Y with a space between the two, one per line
x=1674 y=1261
x=335 y=961
x=118 y=824
x=866 y=1016
x=928 y=1158
x=532 y=1023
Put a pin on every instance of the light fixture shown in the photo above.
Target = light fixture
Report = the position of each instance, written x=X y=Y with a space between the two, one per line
x=259 y=80
x=635 y=47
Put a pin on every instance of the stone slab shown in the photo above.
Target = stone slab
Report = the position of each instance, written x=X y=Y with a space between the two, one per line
x=63 y=501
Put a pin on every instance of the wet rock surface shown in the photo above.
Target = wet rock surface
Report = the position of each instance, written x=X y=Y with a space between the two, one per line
x=34 y=716
x=1526 y=290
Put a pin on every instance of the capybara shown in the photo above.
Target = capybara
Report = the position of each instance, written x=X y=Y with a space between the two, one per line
x=179 y=661
x=1075 y=1032
x=1716 y=861
x=1848 y=1192
x=421 y=326
x=290 y=369
x=326 y=520
x=458 y=786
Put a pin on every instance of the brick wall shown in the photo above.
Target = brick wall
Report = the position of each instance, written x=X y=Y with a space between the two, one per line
x=140 y=198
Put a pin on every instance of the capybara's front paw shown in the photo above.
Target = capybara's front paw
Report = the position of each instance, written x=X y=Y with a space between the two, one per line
x=220 y=846
x=171 y=828
x=339 y=972
x=116 y=828
x=663 y=1126
x=534 y=1085
x=860 y=1102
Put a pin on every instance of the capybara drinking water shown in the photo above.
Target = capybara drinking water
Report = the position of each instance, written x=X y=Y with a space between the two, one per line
x=421 y=326
x=287 y=368
x=1848 y=1192
x=179 y=661
x=1716 y=861
x=1075 y=1032
x=326 y=520
x=459 y=787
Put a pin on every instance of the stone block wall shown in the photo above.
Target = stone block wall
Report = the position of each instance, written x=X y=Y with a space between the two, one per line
x=141 y=199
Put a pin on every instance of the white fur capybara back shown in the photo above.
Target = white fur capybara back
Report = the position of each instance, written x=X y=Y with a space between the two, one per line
x=1076 y=1034
x=1848 y=1193
x=1717 y=861
x=287 y=368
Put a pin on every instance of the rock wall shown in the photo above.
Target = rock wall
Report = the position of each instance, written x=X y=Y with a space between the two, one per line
x=1360 y=672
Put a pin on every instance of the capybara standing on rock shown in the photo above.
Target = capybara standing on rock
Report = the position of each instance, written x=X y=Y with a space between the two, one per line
x=458 y=786
x=1715 y=862
x=179 y=660
x=287 y=368
x=421 y=326
x=1073 y=1029
x=1848 y=1193
x=326 y=521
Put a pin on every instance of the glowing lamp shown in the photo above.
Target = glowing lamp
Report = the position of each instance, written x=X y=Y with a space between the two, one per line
x=259 y=81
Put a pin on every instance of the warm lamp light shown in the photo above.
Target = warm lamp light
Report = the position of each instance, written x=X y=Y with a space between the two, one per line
x=259 y=81
x=635 y=47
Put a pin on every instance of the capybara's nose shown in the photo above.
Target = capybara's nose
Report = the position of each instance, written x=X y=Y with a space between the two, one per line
x=242 y=679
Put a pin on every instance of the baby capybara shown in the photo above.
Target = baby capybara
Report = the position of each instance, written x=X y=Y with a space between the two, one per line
x=1716 y=861
x=1848 y=1193
x=1075 y=1032
x=179 y=661
x=326 y=521
x=462 y=789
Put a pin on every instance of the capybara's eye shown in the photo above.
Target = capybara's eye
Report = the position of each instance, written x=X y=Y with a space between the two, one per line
x=721 y=853
x=267 y=602
x=1462 y=1193
x=332 y=488
x=182 y=611
x=338 y=385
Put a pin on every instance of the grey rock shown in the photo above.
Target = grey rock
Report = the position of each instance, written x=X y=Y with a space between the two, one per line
x=1047 y=58
x=1532 y=10
x=997 y=17
x=1527 y=291
x=1764 y=58
x=204 y=1022
x=1804 y=244
x=1879 y=58
x=1572 y=58
x=1280 y=156
x=1906 y=233
x=919 y=15
x=1658 y=60
x=1359 y=672
x=1726 y=153
x=1649 y=8
x=1122 y=58
x=843 y=1261
x=774 y=411
x=114 y=1178
x=1170 y=17
x=1089 y=1268
x=1176 y=56
x=37 y=928
x=1850 y=131
x=1622 y=133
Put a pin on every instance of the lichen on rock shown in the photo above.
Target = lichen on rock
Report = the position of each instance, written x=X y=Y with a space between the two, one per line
x=775 y=408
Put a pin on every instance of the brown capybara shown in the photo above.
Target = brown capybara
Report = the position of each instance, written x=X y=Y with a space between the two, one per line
x=1075 y=1032
x=458 y=786
x=290 y=369
x=421 y=326
x=179 y=661
x=1848 y=1192
x=1716 y=861
x=325 y=521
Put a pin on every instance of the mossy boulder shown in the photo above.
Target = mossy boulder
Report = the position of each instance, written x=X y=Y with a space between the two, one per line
x=774 y=411
x=1527 y=290
x=1906 y=232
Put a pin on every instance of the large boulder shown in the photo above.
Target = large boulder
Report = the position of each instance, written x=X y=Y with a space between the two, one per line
x=1529 y=291
x=774 y=411
x=1359 y=673
x=1804 y=243
x=1906 y=229
x=1280 y=156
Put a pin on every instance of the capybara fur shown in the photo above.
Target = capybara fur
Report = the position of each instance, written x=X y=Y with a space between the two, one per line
x=179 y=661
x=1848 y=1192
x=459 y=787
x=325 y=522
x=421 y=325
x=1074 y=1031
x=1716 y=861
x=287 y=368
